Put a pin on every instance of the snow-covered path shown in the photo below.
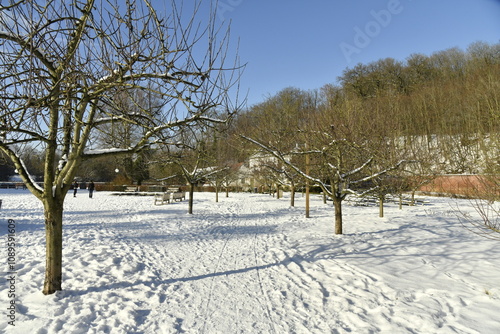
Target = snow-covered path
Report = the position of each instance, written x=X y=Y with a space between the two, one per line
x=252 y=264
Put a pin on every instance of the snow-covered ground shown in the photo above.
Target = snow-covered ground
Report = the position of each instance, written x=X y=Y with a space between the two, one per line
x=250 y=264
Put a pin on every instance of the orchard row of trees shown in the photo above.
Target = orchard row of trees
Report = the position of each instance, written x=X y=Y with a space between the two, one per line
x=388 y=127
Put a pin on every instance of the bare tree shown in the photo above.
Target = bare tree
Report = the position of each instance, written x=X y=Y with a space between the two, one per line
x=486 y=203
x=193 y=152
x=64 y=63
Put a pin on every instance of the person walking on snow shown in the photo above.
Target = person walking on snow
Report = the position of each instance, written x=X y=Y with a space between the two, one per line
x=91 y=188
x=75 y=188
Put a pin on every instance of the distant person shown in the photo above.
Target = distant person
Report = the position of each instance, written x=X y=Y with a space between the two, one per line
x=91 y=188
x=75 y=188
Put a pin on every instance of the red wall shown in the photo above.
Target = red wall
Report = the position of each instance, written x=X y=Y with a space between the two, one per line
x=465 y=185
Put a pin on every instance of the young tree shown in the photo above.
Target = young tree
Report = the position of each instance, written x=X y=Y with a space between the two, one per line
x=64 y=63
x=486 y=204
x=194 y=153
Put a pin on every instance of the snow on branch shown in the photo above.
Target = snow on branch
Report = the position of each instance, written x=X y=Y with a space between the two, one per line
x=356 y=170
x=383 y=172
x=107 y=151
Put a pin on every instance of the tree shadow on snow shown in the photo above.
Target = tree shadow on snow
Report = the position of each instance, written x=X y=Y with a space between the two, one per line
x=155 y=283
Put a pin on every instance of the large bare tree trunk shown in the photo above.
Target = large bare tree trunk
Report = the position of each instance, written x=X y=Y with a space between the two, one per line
x=337 y=203
x=53 y=248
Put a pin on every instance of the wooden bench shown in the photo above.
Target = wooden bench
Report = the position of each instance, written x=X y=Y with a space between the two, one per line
x=178 y=195
x=162 y=198
x=169 y=196
x=130 y=189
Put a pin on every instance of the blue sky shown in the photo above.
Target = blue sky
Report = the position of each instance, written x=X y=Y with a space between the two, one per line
x=307 y=44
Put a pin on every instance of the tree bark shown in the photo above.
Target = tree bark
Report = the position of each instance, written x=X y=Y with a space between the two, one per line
x=292 y=196
x=307 y=199
x=191 y=193
x=381 y=206
x=308 y=171
x=337 y=203
x=53 y=248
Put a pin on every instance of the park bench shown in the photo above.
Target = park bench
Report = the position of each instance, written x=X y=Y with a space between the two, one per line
x=179 y=195
x=162 y=198
x=130 y=188
x=172 y=194
x=409 y=202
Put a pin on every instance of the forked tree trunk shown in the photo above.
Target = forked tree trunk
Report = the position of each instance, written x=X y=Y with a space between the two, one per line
x=337 y=203
x=53 y=248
